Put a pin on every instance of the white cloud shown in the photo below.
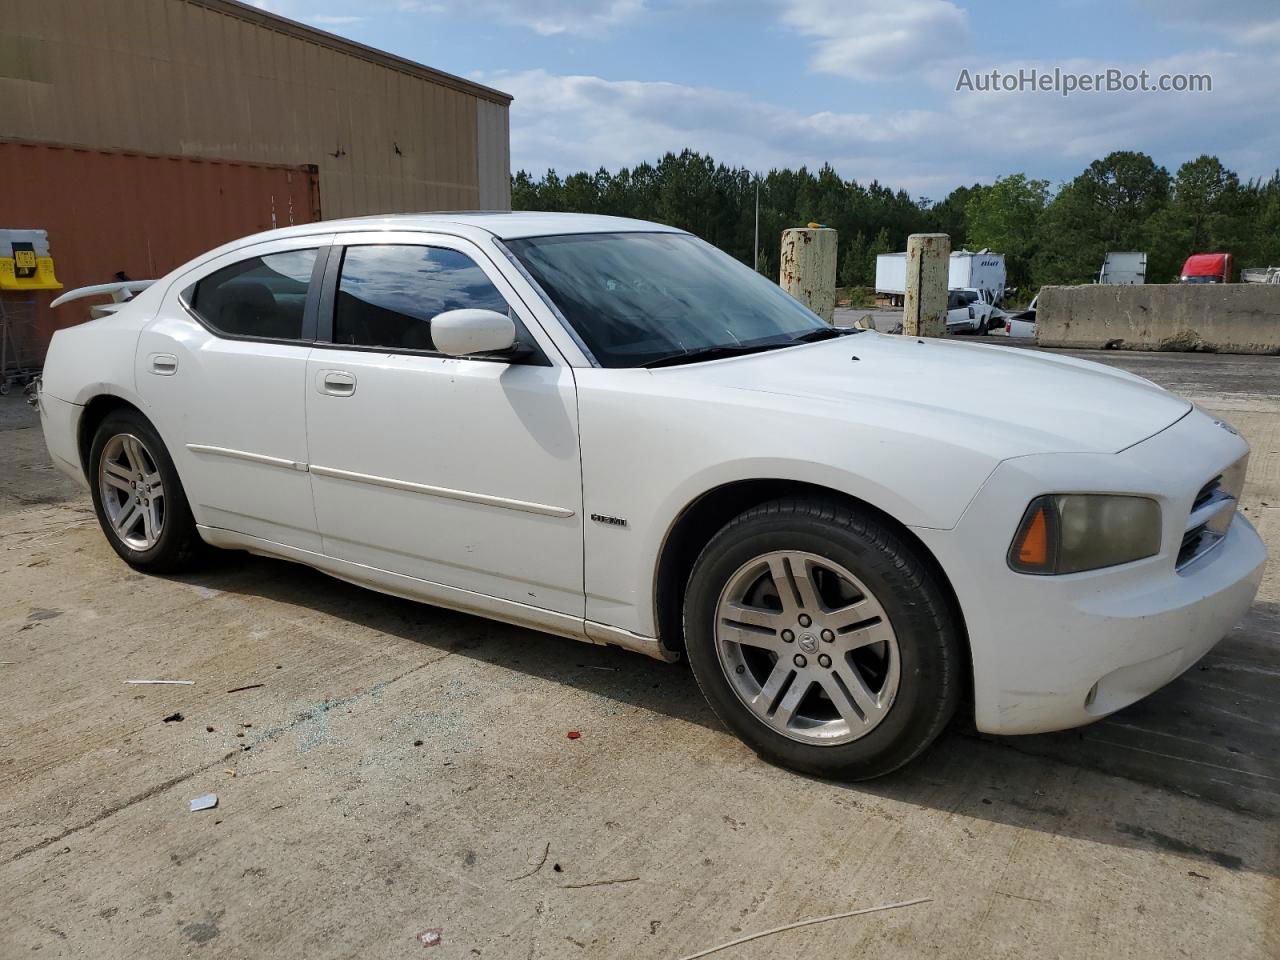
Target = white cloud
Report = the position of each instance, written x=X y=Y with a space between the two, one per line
x=1172 y=127
x=583 y=122
x=1245 y=22
x=877 y=39
x=335 y=21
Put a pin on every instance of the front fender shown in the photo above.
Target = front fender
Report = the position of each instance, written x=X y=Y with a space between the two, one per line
x=646 y=458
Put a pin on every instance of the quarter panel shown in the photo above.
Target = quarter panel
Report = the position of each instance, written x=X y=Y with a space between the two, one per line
x=96 y=357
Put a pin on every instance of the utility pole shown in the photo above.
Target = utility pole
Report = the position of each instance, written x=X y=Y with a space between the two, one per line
x=755 y=247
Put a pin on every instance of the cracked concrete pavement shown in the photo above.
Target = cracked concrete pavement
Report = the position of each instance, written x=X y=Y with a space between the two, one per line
x=396 y=768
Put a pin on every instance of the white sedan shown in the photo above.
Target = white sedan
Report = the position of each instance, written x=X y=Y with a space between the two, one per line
x=609 y=430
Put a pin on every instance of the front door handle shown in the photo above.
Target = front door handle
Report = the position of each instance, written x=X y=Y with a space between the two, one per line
x=164 y=364
x=336 y=383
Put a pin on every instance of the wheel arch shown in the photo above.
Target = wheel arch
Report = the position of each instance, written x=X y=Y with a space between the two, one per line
x=701 y=519
x=95 y=411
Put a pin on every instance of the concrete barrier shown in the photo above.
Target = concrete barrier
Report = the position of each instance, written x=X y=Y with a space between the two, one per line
x=1213 y=318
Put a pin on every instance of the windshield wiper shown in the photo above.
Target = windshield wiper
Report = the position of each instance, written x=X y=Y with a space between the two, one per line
x=825 y=333
x=714 y=353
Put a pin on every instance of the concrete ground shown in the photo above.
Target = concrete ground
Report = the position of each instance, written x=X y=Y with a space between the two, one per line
x=878 y=318
x=395 y=768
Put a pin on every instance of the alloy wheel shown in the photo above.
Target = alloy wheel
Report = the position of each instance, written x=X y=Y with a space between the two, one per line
x=807 y=647
x=132 y=491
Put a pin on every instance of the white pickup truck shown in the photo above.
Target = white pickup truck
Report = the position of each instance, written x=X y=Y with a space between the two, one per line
x=969 y=309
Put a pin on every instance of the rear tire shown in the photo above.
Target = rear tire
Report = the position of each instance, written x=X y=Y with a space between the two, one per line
x=821 y=637
x=138 y=497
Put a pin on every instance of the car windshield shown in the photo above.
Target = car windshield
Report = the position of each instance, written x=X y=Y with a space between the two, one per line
x=643 y=298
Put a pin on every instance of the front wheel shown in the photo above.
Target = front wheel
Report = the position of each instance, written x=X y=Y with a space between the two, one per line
x=822 y=639
x=138 y=497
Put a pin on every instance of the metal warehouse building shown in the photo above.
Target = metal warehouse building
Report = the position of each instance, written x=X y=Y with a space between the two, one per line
x=139 y=133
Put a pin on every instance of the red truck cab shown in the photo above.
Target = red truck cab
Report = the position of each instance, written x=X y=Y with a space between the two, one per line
x=1207 y=268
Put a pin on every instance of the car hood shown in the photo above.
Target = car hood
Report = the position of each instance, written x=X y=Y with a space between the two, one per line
x=1016 y=400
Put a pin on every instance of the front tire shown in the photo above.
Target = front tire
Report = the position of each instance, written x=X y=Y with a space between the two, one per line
x=138 y=497
x=821 y=637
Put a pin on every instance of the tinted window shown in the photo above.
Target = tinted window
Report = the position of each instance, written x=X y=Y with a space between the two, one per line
x=387 y=295
x=262 y=297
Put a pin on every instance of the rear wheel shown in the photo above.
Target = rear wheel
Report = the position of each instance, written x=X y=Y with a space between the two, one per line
x=138 y=498
x=822 y=639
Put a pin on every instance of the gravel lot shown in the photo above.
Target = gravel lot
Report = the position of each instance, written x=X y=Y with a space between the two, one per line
x=396 y=768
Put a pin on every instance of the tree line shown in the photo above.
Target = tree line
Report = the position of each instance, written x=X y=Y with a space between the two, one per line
x=1124 y=201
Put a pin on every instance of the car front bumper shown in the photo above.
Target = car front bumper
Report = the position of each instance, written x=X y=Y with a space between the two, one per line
x=1061 y=651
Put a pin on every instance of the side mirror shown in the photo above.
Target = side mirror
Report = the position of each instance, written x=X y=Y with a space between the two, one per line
x=461 y=333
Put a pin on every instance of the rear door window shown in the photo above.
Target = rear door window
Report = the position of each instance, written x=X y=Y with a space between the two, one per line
x=263 y=297
x=388 y=294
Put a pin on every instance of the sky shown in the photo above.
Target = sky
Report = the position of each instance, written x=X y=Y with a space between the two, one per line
x=869 y=86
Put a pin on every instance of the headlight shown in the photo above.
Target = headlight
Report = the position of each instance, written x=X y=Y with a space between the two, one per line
x=1073 y=532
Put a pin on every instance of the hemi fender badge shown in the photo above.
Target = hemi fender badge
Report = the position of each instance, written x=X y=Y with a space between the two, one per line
x=612 y=521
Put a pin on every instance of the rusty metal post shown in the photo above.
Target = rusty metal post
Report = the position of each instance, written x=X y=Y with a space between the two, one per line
x=809 y=268
x=924 y=312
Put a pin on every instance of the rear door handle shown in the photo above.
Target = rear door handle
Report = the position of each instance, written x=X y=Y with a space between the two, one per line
x=164 y=364
x=336 y=383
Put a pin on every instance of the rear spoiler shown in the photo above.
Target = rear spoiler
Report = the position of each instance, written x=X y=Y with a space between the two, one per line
x=121 y=293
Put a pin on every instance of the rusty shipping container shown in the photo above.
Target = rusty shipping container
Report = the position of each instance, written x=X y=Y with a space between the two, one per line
x=109 y=213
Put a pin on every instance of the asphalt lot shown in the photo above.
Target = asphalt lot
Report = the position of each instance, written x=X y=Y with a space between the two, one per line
x=397 y=768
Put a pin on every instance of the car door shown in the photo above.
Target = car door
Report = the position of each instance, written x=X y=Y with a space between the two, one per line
x=222 y=370
x=461 y=472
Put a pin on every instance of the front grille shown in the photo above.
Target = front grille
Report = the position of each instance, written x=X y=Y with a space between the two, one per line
x=1206 y=493
x=1192 y=541
x=1211 y=514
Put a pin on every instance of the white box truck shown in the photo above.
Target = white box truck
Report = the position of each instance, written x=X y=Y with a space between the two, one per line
x=1124 y=267
x=983 y=271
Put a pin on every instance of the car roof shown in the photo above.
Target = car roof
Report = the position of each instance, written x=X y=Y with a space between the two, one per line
x=502 y=224
x=474 y=225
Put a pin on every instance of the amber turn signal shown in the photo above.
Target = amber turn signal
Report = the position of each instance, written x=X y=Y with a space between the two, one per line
x=1031 y=550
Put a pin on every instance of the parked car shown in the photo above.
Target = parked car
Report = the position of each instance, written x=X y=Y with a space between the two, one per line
x=968 y=311
x=1020 y=325
x=609 y=430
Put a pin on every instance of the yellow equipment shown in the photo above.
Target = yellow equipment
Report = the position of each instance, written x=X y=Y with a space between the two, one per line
x=25 y=263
